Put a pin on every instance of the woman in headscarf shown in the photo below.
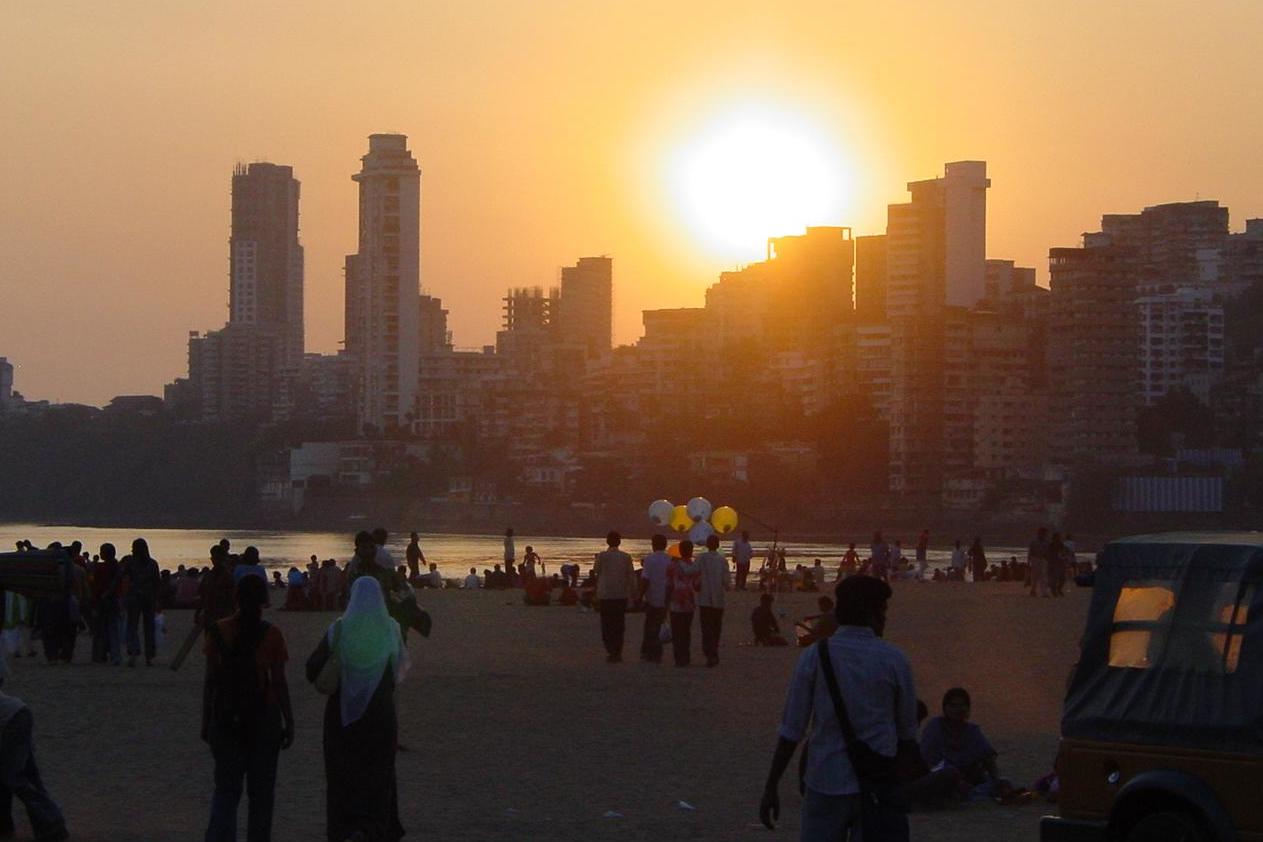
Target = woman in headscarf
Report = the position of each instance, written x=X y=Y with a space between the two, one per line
x=360 y=727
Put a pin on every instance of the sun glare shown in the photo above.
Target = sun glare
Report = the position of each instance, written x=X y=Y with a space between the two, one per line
x=750 y=174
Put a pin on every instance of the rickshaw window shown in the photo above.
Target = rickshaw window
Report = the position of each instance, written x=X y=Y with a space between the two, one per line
x=1142 y=615
x=1206 y=635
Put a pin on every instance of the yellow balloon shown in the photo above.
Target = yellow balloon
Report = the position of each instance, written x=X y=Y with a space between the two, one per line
x=724 y=519
x=680 y=520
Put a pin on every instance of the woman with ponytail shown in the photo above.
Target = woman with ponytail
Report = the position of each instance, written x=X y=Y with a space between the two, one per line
x=246 y=714
x=360 y=726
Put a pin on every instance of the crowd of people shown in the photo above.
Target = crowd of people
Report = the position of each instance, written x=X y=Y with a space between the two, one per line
x=247 y=717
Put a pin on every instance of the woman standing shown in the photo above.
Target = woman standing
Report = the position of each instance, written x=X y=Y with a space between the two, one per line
x=360 y=727
x=682 y=581
x=246 y=715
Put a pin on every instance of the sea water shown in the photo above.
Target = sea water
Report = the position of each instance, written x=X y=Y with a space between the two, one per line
x=454 y=554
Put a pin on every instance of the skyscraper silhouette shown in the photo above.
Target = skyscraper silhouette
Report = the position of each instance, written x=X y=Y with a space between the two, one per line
x=265 y=258
x=383 y=284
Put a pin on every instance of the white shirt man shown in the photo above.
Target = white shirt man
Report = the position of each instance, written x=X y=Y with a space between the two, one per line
x=472 y=582
x=713 y=580
x=875 y=682
x=616 y=585
x=654 y=573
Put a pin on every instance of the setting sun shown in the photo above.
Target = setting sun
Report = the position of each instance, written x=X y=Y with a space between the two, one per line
x=752 y=173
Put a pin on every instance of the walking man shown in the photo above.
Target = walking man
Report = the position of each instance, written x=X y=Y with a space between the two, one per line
x=875 y=687
x=714 y=581
x=653 y=592
x=615 y=579
x=742 y=552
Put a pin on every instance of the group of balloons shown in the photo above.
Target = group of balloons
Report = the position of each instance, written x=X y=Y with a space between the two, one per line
x=698 y=518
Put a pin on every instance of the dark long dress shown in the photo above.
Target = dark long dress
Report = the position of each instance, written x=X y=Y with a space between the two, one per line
x=362 y=794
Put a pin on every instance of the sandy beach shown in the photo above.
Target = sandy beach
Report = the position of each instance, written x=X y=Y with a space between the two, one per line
x=518 y=729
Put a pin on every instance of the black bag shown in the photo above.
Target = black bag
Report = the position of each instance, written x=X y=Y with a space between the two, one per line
x=878 y=774
x=239 y=695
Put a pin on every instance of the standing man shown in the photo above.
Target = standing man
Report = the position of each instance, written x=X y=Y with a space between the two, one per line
x=615 y=579
x=510 y=552
x=875 y=684
x=216 y=591
x=1037 y=561
x=742 y=552
x=710 y=598
x=416 y=558
x=923 y=554
x=653 y=592
x=140 y=571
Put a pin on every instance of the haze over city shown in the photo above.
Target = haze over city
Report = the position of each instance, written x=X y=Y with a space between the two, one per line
x=547 y=131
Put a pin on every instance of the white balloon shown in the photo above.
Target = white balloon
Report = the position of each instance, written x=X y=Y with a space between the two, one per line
x=660 y=512
x=700 y=508
x=700 y=531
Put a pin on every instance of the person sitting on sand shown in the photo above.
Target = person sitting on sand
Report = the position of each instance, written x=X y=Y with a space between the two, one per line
x=767 y=632
x=951 y=740
x=433 y=579
x=472 y=582
x=535 y=591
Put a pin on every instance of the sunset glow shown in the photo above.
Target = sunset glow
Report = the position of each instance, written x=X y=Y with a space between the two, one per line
x=751 y=173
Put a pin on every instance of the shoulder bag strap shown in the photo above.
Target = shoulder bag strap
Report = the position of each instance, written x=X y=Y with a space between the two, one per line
x=831 y=681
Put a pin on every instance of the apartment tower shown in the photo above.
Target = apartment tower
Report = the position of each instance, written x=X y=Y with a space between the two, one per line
x=265 y=259
x=383 y=285
x=935 y=271
x=586 y=310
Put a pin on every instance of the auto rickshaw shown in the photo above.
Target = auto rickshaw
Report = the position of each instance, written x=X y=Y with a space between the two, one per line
x=1162 y=729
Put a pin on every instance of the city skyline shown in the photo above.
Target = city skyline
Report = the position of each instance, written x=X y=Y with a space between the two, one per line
x=530 y=163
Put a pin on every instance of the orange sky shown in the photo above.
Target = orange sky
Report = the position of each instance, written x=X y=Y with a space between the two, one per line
x=543 y=129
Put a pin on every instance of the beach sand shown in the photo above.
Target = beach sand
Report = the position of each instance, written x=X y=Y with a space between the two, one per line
x=518 y=729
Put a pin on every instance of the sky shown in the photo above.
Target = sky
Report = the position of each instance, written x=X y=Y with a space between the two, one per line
x=547 y=130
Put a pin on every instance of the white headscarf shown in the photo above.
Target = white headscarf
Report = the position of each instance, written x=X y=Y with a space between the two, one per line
x=368 y=643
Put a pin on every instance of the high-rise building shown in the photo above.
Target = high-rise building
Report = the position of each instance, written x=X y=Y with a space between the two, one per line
x=383 y=285
x=1093 y=353
x=237 y=373
x=794 y=299
x=870 y=278
x=265 y=258
x=1181 y=342
x=935 y=260
x=936 y=243
x=6 y=383
x=1240 y=263
x=586 y=308
x=1168 y=241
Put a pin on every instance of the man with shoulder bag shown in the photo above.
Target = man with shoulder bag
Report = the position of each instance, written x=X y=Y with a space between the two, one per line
x=857 y=691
